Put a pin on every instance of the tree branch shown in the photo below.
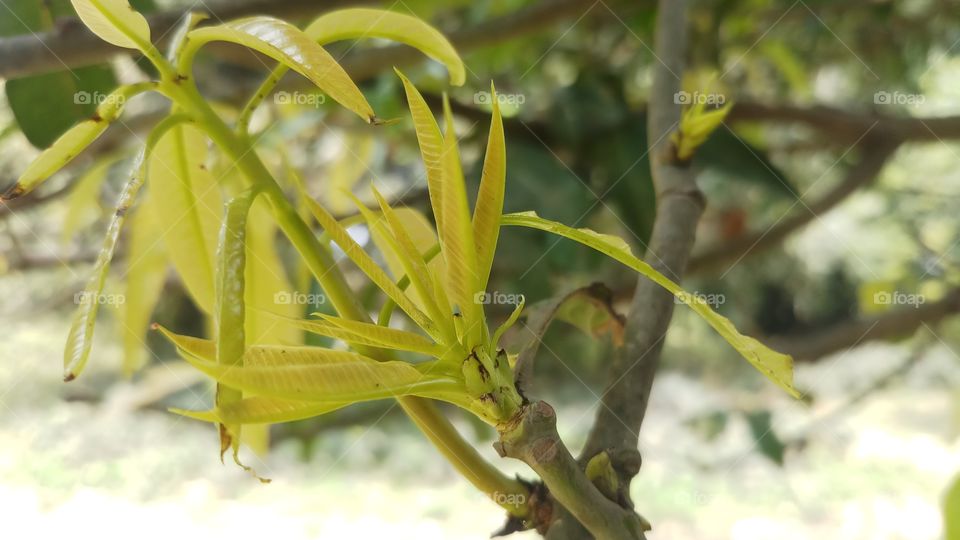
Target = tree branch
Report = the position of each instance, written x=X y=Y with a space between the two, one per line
x=894 y=324
x=533 y=439
x=679 y=206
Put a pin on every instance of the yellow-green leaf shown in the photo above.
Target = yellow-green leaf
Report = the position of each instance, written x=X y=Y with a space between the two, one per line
x=230 y=312
x=288 y=45
x=144 y=280
x=321 y=375
x=358 y=333
x=382 y=336
x=188 y=206
x=368 y=266
x=83 y=201
x=486 y=214
x=358 y=23
x=951 y=511
x=390 y=236
x=80 y=337
x=776 y=366
x=456 y=236
x=431 y=146
x=261 y=410
x=54 y=158
x=115 y=22
x=267 y=282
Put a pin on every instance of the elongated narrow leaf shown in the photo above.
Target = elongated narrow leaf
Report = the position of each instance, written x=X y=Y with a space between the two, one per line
x=144 y=280
x=431 y=146
x=456 y=236
x=321 y=328
x=188 y=206
x=267 y=282
x=115 y=22
x=74 y=140
x=321 y=375
x=368 y=266
x=951 y=511
x=486 y=214
x=230 y=312
x=386 y=234
x=261 y=410
x=51 y=160
x=382 y=336
x=359 y=23
x=83 y=201
x=204 y=349
x=80 y=338
x=776 y=366
x=288 y=45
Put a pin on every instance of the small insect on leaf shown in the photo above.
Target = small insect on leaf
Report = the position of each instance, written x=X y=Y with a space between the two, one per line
x=288 y=45
x=778 y=367
x=115 y=22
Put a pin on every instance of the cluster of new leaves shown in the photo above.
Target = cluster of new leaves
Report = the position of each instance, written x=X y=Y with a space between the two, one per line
x=435 y=276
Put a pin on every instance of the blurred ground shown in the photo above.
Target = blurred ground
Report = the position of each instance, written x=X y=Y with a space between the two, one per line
x=876 y=471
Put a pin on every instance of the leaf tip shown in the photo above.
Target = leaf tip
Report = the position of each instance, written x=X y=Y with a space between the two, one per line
x=69 y=376
x=13 y=192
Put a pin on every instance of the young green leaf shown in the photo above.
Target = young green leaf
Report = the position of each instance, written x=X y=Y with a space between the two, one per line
x=368 y=266
x=115 y=22
x=431 y=146
x=288 y=45
x=321 y=375
x=267 y=282
x=83 y=201
x=391 y=237
x=230 y=312
x=146 y=272
x=456 y=236
x=377 y=23
x=187 y=203
x=71 y=143
x=261 y=410
x=778 y=367
x=358 y=333
x=80 y=338
x=486 y=214
x=390 y=338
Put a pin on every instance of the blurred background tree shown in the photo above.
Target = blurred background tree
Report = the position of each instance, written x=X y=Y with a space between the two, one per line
x=828 y=229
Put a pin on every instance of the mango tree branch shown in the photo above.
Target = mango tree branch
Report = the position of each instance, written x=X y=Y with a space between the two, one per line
x=679 y=206
x=533 y=439
x=894 y=324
